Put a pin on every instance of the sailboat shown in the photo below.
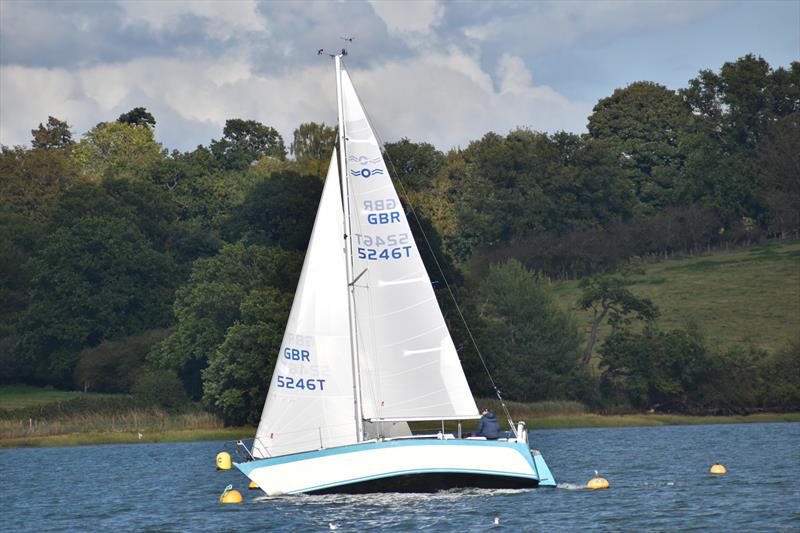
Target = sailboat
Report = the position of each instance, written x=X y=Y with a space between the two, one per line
x=366 y=351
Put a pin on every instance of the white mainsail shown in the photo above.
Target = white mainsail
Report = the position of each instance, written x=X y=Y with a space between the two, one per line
x=409 y=367
x=310 y=400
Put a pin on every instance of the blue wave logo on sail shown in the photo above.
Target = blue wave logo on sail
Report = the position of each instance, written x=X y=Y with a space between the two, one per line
x=366 y=172
x=363 y=160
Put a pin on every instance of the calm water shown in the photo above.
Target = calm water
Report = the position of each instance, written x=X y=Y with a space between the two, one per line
x=658 y=475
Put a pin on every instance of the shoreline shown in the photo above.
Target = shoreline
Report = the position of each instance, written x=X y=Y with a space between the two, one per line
x=547 y=422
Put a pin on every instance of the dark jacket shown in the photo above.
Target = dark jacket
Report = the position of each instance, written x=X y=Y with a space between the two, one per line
x=488 y=426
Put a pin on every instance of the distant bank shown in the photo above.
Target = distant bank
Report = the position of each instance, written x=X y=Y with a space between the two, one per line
x=229 y=434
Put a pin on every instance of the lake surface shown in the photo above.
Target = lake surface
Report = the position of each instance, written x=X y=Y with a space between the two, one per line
x=659 y=482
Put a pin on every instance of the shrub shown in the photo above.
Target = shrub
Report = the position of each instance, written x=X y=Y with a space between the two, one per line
x=163 y=388
x=781 y=373
x=113 y=366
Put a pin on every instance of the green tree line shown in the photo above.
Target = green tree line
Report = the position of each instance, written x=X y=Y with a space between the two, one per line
x=126 y=265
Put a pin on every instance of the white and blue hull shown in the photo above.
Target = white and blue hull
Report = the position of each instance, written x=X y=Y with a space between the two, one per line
x=403 y=465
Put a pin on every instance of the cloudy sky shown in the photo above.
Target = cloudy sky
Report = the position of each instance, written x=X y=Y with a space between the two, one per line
x=444 y=72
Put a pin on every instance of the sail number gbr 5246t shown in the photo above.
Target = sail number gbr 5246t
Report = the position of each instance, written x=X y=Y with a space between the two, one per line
x=288 y=382
x=377 y=247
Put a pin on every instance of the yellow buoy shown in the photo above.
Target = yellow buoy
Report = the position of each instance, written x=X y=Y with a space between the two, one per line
x=597 y=482
x=224 y=461
x=717 y=468
x=252 y=485
x=230 y=495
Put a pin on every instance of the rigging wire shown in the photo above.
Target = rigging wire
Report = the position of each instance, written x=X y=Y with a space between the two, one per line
x=439 y=267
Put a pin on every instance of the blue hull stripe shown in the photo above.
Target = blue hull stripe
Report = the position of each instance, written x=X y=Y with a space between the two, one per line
x=355 y=448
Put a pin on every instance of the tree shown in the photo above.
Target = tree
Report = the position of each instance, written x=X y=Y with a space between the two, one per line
x=278 y=210
x=143 y=204
x=779 y=155
x=532 y=346
x=162 y=388
x=735 y=111
x=654 y=369
x=245 y=141
x=98 y=279
x=584 y=183
x=33 y=180
x=211 y=302
x=312 y=147
x=781 y=377
x=414 y=164
x=740 y=102
x=114 y=365
x=138 y=116
x=115 y=148
x=239 y=371
x=497 y=196
x=645 y=122
x=54 y=136
x=735 y=381
x=607 y=295
x=19 y=238
x=509 y=189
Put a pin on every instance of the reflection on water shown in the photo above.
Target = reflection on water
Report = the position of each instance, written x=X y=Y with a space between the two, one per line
x=659 y=481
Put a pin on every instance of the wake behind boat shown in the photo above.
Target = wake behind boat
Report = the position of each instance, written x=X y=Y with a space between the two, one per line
x=366 y=350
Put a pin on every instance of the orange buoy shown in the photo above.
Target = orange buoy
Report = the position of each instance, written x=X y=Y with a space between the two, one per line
x=252 y=485
x=717 y=468
x=597 y=483
x=230 y=495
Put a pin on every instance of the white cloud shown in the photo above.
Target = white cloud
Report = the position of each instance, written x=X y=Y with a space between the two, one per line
x=439 y=99
x=222 y=19
x=189 y=90
x=445 y=98
x=513 y=74
x=404 y=17
x=29 y=95
x=482 y=32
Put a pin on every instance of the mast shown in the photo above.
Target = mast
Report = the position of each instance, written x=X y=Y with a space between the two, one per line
x=349 y=254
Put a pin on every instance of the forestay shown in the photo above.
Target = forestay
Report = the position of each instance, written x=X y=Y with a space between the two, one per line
x=310 y=400
x=409 y=366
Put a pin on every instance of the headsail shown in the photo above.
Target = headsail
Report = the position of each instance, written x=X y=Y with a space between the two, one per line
x=409 y=366
x=310 y=400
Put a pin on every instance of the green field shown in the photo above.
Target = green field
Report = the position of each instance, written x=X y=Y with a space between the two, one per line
x=743 y=297
x=22 y=396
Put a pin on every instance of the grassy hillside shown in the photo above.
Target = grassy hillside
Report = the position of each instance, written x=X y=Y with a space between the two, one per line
x=742 y=297
x=22 y=396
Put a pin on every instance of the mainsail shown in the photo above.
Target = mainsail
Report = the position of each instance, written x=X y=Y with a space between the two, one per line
x=409 y=366
x=310 y=400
